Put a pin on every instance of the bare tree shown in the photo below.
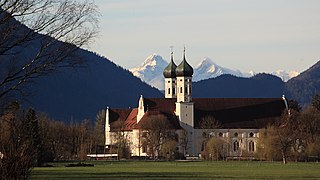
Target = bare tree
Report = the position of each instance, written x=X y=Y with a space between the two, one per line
x=99 y=132
x=158 y=131
x=209 y=124
x=19 y=143
x=39 y=37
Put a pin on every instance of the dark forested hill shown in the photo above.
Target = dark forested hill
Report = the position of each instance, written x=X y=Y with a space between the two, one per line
x=303 y=87
x=75 y=94
x=228 y=86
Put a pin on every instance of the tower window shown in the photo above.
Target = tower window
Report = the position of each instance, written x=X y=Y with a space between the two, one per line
x=173 y=91
x=168 y=81
x=180 y=89
x=185 y=90
x=168 y=90
x=235 y=134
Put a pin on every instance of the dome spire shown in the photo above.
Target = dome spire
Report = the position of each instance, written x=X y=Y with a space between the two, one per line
x=184 y=69
x=184 y=53
x=170 y=70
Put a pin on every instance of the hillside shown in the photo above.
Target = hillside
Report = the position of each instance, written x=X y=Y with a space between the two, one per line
x=303 y=87
x=229 y=86
x=75 y=94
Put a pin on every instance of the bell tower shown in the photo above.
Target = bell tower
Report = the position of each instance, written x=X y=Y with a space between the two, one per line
x=169 y=74
x=184 y=80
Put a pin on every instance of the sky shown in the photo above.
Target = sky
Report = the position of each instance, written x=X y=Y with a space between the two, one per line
x=259 y=35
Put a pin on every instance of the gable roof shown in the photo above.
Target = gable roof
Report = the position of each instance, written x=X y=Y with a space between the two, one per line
x=124 y=119
x=245 y=113
x=230 y=112
x=239 y=112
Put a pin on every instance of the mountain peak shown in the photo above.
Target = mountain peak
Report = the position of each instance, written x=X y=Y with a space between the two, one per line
x=151 y=70
x=153 y=60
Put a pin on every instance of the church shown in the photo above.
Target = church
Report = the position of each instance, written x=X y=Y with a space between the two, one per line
x=239 y=119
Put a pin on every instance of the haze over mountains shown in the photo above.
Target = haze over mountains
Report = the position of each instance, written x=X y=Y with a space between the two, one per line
x=151 y=70
x=75 y=94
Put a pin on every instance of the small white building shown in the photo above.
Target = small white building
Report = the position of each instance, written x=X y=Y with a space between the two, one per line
x=240 y=118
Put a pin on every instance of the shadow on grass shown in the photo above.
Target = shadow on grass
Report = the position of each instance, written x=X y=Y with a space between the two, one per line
x=125 y=175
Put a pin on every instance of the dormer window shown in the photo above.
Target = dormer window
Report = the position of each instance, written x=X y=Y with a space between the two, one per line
x=236 y=134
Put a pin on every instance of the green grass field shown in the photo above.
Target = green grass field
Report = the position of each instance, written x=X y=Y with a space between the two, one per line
x=180 y=170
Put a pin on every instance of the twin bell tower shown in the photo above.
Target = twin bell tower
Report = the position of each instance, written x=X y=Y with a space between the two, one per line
x=178 y=80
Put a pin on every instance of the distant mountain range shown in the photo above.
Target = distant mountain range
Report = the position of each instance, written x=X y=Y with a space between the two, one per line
x=75 y=94
x=229 y=86
x=151 y=70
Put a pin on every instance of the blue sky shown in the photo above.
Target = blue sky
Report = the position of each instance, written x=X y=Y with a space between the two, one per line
x=259 y=35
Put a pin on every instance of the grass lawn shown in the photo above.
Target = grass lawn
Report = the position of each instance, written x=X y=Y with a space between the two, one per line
x=180 y=170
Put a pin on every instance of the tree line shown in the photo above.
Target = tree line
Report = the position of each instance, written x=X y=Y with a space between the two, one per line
x=29 y=139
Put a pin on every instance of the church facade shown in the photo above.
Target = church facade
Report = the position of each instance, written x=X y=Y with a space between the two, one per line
x=239 y=119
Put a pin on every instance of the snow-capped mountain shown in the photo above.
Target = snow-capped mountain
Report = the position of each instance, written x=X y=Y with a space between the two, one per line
x=284 y=75
x=151 y=70
x=208 y=69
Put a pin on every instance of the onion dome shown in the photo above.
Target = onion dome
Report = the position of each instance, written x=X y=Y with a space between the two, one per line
x=184 y=69
x=170 y=70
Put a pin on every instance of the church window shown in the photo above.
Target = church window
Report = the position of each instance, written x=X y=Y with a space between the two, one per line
x=189 y=90
x=251 y=134
x=236 y=146
x=173 y=81
x=185 y=90
x=180 y=89
x=144 y=148
x=180 y=79
x=220 y=134
x=251 y=146
x=168 y=81
x=173 y=91
x=235 y=134
x=168 y=90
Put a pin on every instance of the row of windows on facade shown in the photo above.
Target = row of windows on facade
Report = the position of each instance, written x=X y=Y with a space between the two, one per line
x=174 y=90
x=220 y=134
x=236 y=146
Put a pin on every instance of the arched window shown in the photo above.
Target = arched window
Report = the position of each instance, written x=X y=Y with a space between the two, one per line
x=236 y=145
x=168 y=90
x=251 y=146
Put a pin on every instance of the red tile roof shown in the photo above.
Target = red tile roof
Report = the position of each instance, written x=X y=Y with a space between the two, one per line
x=230 y=112
x=125 y=119
x=172 y=118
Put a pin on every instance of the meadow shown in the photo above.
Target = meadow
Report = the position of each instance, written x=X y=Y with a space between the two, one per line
x=180 y=170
